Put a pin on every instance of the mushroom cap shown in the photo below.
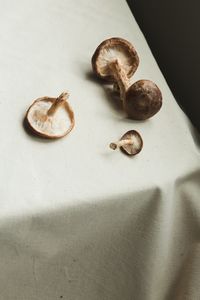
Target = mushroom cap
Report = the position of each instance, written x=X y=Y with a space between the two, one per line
x=52 y=127
x=137 y=145
x=143 y=100
x=111 y=50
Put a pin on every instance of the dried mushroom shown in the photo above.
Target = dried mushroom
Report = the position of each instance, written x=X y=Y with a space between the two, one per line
x=114 y=49
x=116 y=60
x=130 y=143
x=143 y=100
x=51 y=117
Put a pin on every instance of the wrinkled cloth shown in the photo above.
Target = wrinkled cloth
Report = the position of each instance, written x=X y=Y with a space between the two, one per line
x=79 y=221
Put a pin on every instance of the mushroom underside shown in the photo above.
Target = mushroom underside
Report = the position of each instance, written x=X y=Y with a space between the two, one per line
x=115 y=49
x=54 y=126
x=111 y=54
x=137 y=142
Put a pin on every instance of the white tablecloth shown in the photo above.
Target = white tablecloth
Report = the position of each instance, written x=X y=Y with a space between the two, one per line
x=77 y=220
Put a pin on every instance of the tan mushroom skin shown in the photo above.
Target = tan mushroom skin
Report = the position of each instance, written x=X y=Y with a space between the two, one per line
x=116 y=60
x=51 y=117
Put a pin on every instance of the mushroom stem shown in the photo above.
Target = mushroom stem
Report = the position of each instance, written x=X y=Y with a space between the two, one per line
x=121 y=143
x=57 y=103
x=120 y=77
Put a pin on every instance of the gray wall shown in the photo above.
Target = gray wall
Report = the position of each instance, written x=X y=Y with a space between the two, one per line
x=172 y=29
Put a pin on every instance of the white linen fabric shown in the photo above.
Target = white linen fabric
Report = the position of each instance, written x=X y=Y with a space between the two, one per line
x=79 y=221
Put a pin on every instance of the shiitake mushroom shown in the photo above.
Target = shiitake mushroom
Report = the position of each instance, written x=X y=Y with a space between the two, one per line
x=49 y=117
x=116 y=60
x=131 y=143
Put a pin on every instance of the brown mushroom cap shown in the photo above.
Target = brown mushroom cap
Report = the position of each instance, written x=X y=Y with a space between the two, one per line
x=137 y=145
x=52 y=127
x=143 y=100
x=111 y=50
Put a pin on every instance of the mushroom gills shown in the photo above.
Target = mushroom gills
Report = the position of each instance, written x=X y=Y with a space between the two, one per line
x=131 y=143
x=50 y=117
x=114 y=49
x=136 y=145
x=109 y=54
x=53 y=125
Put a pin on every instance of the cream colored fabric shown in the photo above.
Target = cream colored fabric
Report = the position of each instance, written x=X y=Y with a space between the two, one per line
x=79 y=221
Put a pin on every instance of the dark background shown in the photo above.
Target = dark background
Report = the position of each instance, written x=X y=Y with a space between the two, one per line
x=172 y=30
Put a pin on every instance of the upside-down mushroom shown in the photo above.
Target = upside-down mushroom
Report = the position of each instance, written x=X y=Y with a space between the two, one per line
x=130 y=143
x=50 y=118
x=110 y=50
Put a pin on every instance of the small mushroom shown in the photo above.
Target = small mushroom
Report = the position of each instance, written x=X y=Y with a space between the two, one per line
x=50 y=117
x=116 y=60
x=130 y=143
